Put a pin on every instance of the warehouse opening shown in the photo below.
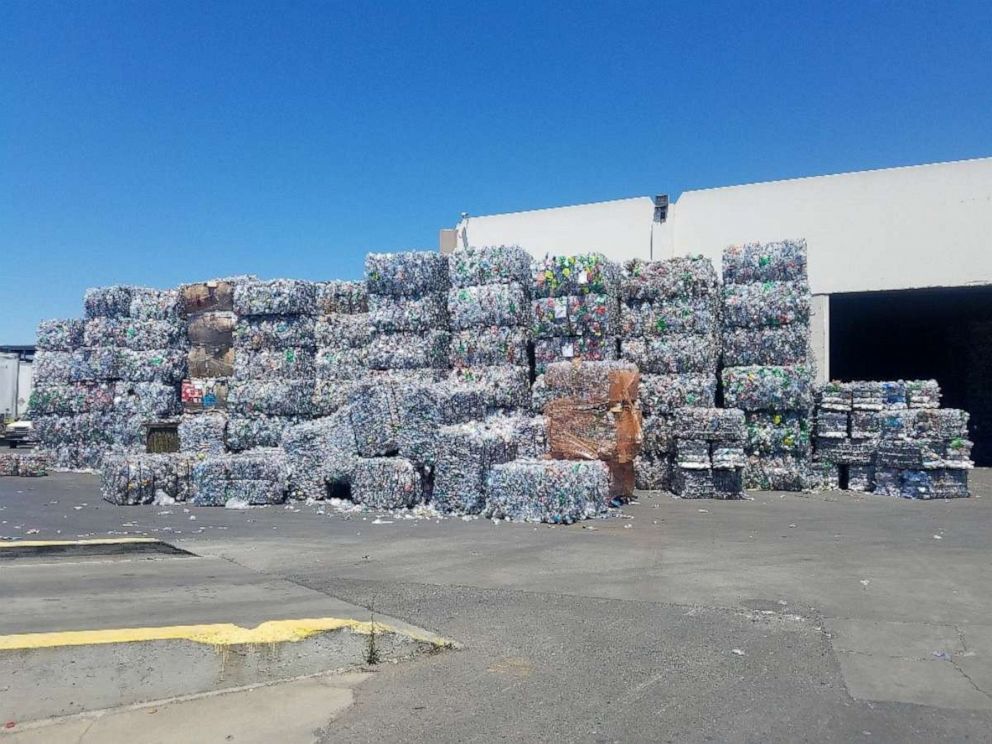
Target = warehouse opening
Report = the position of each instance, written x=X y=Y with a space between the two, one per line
x=944 y=334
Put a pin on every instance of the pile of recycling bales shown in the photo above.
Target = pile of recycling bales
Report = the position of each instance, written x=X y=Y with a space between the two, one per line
x=892 y=438
x=766 y=360
x=669 y=328
x=341 y=333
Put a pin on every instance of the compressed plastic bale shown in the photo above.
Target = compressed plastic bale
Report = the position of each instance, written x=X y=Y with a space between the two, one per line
x=782 y=261
x=60 y=335
x=54 y=366
x=957 y=453
x=271 y=397
x=662 y=394
x=693 y=483
x=391 y=314
x=318 y=454
x=340 y=331
x=728 y=484
x=489 y=347
x=488 y=305
x=765 y=304
x=332 y=363
x=692 y=453
x=410 y=274
x=275 y=364
x=258 y=477
x=9 y=464
x=275 y=297
x=549 y=317
x=659 y=437
x=860 y=477
x=330 y=395
x=834 y=396
x=585 y=348
x=276 y=332
x=560 y=276
x=777 y=346
x=923 y=394
x=129 y=333
x=675 y=353
x=726 y=457
x=345 y=297
x=529 y=434
x=497 y=387
x=205 y=433
x=683 y=277
x=867 y=396
x=158 y=365
x=386 y=483
x=575 y=315
x=33 y=464
x=710 y=424
x=146 y=399
x=779 y=472
x=943 y=423
x=825 y=476
x=108 y=302
x=70 y=399
x=916 y=484
x=949 y=484
x=770 y=433
x=106 y=363
x=898 y=423
x=887 y=482
x=466 y=454
x=697 y=315
x=257 y=430
x=865 y=424
x=141 y=478
x=374 y=414
x=899 y=453
x=584 y=380
x=832 y=424
x=428 y=349
x=489 y=265
x=554 y=491
x=155 y=304
x=894 y=394
x=652 y=473
x=758 y=388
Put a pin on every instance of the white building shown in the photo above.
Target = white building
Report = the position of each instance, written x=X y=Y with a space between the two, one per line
x=900 y=262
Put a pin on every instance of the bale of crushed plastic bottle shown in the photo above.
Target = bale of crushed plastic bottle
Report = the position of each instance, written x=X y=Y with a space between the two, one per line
x=146 y=399
x=727 y=457
x=272 y=397
x=70 y=399
x=683 y=277
x=773 y=432
x=575 y=315
x=923 y=394
x=256 y=478
x=860 y=478
x=386 y=483
x=108 y=302
x=488 y=305
x=395 y=313
x=342 y=331
x=777 y=472
x=465 y=455
x=672 y=354
x=586 y=380
x=728 y=483
x=584 y=348
x=835 y=396
x=658 y=436
x=277 y=332
x=17 y=464
x=693 y=483
x=319 y=453
x=756 y=388
x=652 y=473
x=141 y=478
x=428 y=349
x=492 y=346
x=275 y=297
x=167 y=366
x=832 y=424
x=497 y=387
x=554 y=491
x=763 y=346
x=410 y=274
x=156 y=304
x=247 y=432
x=275 y=364
x=725 y=425
x=504 y=264
x=949 y=483
x=867 y=396
x=129 y=333
x=767 y=304
x=54 y=366
x=341 y=297
x=782 y=261
x=332 y=363
x=205 y=433
x=60 y=335
x=697 y=315
x=560 y=276
x=662 y=394
x=692 y=453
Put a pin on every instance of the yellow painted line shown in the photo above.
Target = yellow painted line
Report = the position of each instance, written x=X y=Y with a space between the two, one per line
x=217 y=634
x=70 y=543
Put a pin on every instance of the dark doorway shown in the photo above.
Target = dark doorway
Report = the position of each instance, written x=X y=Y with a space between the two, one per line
x=943 y=334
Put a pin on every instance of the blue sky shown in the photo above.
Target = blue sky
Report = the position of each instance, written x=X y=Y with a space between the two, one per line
x=160 y=142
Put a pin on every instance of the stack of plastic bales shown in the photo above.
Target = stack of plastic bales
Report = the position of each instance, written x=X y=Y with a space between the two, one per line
x=709 y=453
x=669 y=329
x=765 y=323
x=575 y=309
x=342 y=335
x=274 y=362
x=846 y=438
x=489 y=312
x=923 y=453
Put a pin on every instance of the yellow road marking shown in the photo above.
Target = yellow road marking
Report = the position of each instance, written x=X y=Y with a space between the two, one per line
x=70 y=543
x=217 y=634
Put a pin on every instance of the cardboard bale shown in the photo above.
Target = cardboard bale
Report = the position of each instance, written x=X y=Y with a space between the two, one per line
x=212 y=329
x=210 y=361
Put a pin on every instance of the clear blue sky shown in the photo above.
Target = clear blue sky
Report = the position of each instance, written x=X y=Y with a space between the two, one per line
x=158 y=142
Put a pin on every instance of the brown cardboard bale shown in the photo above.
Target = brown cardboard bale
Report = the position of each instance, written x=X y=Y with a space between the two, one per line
x=211 y=361
x=621 y=479
x=212 y=329
x=206 y=297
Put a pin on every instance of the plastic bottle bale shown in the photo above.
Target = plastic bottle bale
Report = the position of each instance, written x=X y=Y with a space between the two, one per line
x=205 y=433
x=332 y=363
x=410 y=274
x=899 y=454
x=726 y=457
x=148 y=400
x=916 y=484
x=835 y=396
x=529 y=433
x=692 y=453
x=340 y=331
x=342 y=297
x=505 y=305
x=59 y=399
x=33 y=464
x=698 y=315
x=949 y=484
x=9 y=464
x=725 y=425
x=318 y=454
x=167 y=366
x=860 y=478
x=275 y=364
x=106 y=363
x=867 y=396
x=560 y=276
x=549 y=318
x=54 y=366
x=766 y=346
x=374 y=414
x=587 y=380
x=394 y=314
x=832 y=424
x=693 y=483
x=60 y=335
x=779 y=472
x=503 y=387
x=897 y=424
x=866 y=424
x=957 y=453
x=765 y=304
x=675 y=353
x=278 y=332
x=492 y=346
x=659 y=436
x=887 y=482
x=593 y=315
x=464 y=398
x=258 y=477
x=553 y=491
x=942 y=423
x=774 y=432
x=409 y=350
x=683 y=277
x=584 y=348
x=783 y=261
x=108 y=302
x=330 y=395
x=275 y=297
x=386 y=483
x=759 y=388
x=663 y=394
x=156 y=304
x=728 y=484
x=824 y=476
x=921 y=394
x=465 y=455
x=257 y=430
x=271 y=397
x=503 y=264
x=834 y=451
x=652 y=473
